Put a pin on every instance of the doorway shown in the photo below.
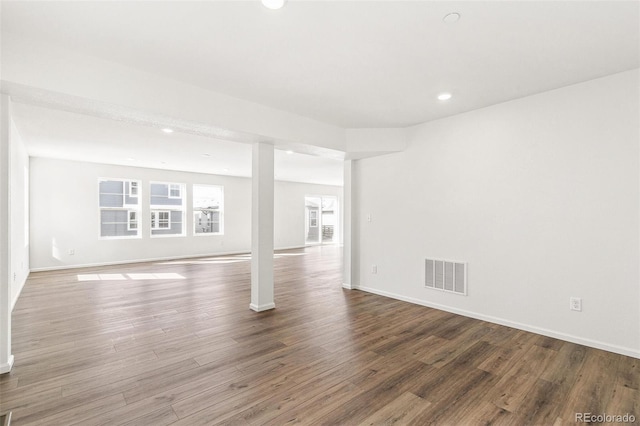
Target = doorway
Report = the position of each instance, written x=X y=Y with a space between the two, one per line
x=321 y=220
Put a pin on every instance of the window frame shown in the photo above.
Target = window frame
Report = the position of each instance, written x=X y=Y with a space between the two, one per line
x=125 y=207
x=195 y=211
x=159 y=209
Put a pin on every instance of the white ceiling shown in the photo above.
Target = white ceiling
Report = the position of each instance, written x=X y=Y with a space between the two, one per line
x=65 y=135
x=353 y=64
x=348 y=63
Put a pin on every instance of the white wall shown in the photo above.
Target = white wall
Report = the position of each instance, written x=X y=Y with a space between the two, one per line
x=65 y=215
x=541 y=197
x=290 y=211
x=19 y=193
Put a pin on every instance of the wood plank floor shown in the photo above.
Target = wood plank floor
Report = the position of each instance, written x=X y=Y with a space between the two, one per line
x=184 y=349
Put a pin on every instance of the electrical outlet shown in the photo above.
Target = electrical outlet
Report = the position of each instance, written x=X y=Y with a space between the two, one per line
x=374 y=269
x=368 y=218
x=575 y=304
x=71 y=252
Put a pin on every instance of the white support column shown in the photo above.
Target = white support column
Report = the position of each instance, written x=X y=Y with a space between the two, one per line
x=6 y=358
x=348 y=227
x=262 y=228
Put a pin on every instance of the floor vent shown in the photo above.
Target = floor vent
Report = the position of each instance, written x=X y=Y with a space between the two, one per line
x=446 y=275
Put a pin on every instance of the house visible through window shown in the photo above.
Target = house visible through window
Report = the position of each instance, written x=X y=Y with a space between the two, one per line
x=167 y=205
x=174 y=190
x=133 y=220
x=160 y=220
x=321 y=222
x=208 y=209
x=119 y=208
x=133 y=189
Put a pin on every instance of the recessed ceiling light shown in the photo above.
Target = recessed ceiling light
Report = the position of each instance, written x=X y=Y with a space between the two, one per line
x=451 y=18
x=289 y=152
x=206 y=155
x=444 y=96
x=131 y=159
x=273 y=4
x=167 y=130
x=225 y=170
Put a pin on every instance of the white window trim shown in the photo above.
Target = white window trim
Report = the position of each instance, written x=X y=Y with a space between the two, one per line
x=121 y=237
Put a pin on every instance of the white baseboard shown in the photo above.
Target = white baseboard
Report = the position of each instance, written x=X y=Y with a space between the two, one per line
x=348 y=286
x=261 y=308
x=290 y=248
x=151 y=259
x=501 y=321
x=7 y=366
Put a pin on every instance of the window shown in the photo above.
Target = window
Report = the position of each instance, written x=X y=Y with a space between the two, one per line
x=167 y=205
x=208 y=209
x=119 y=208
x=321 y=224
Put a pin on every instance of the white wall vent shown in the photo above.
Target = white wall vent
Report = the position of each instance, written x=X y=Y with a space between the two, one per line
x=446 y=275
